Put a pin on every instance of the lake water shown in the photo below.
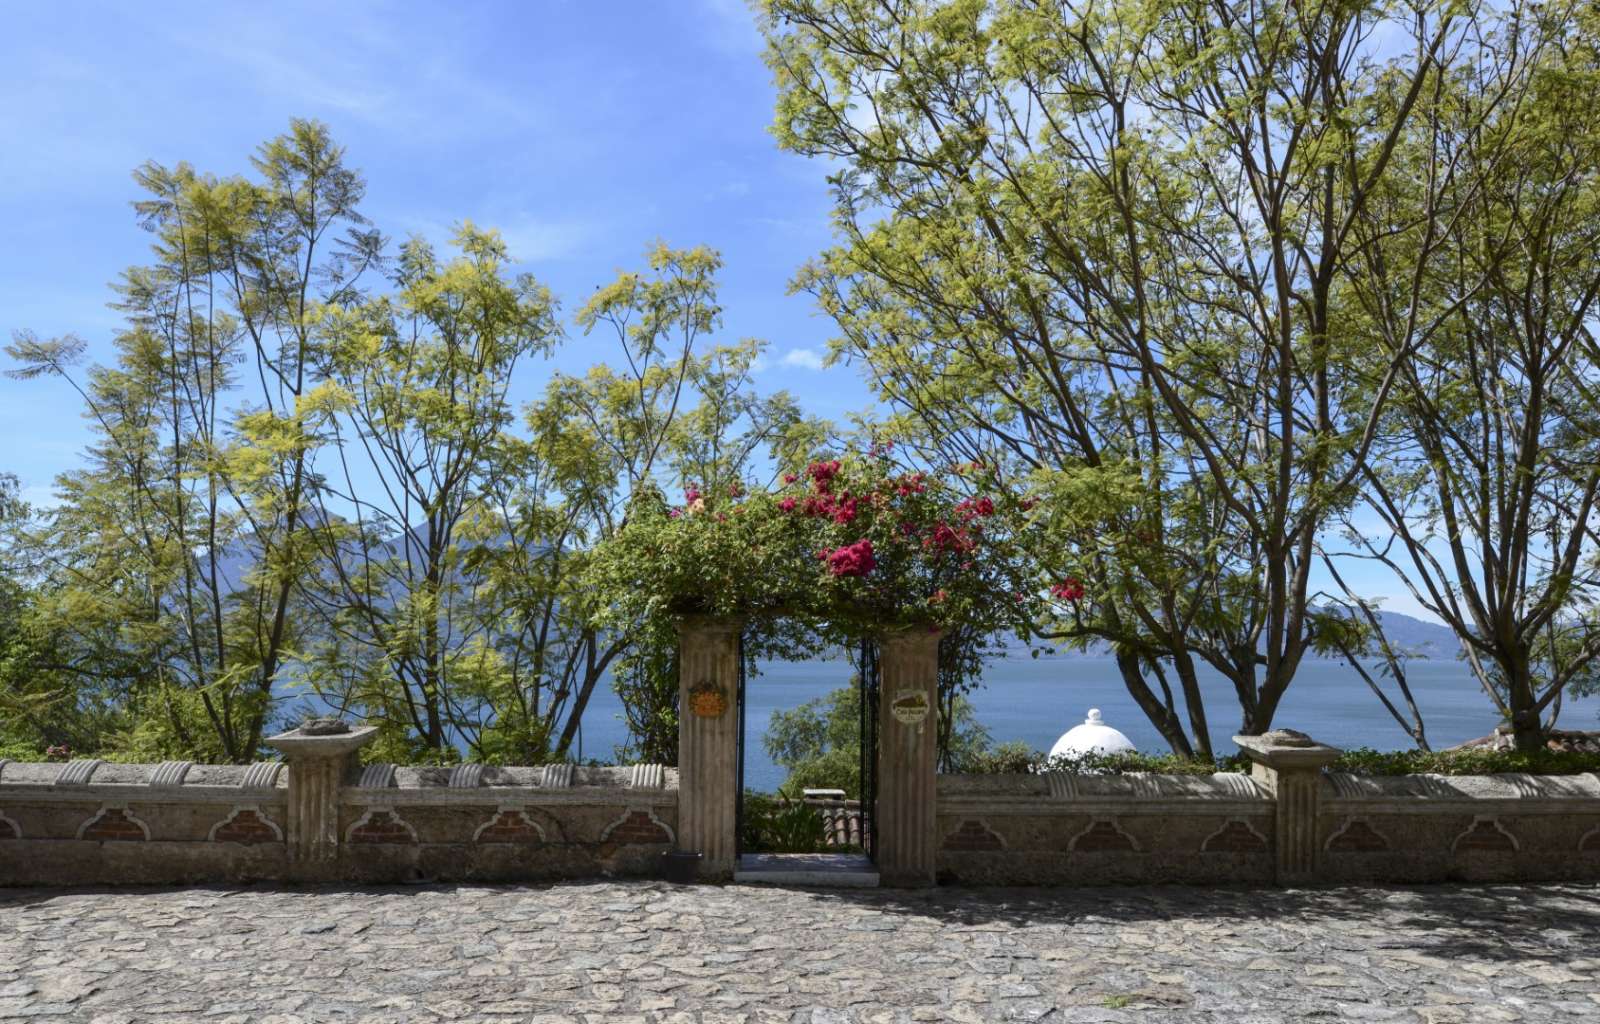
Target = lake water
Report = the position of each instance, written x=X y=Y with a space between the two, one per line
x=1036 y=701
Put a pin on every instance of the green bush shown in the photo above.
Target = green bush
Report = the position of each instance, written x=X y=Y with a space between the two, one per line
x=1475 y=761
x=781 y=824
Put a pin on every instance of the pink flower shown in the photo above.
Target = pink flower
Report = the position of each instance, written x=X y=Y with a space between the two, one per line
x=691 y=494
x=673 y=513
x=822 y=474
x=975 y=508
x=844 y=511
x=789 y=478
x=1069 y=589
x=851 y=560
x=788 y=504
x=947 y=538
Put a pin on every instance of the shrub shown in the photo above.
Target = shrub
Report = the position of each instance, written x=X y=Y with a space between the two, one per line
x=1473 y=761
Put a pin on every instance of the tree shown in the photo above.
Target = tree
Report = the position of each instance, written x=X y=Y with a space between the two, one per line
x=416 y=407
x=673 y=415
x=1095 y=248
x=1486 y=477
x=185 y=538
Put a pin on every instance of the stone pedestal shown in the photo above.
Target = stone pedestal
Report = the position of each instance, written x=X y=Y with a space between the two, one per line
x=1290 y=764
x=708 y=737
x=317 y=767
x=908 y=719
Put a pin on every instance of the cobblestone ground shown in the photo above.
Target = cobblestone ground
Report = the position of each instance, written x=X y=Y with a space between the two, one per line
x=646 y=952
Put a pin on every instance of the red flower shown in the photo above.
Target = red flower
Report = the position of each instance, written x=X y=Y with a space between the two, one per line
x=822 y=474
x=947 y=538
x=1069 y=589
x=844 y=511
x=788 y=504
x=789 y=478
x=913 y=484
x=974 y=508
x=852 y=559
x=691 y=494
x=1028 y=504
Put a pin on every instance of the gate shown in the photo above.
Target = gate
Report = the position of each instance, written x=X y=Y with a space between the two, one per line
x=868 y=668
x=868 y=680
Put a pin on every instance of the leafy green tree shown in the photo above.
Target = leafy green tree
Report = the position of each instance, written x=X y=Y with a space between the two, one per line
x=179 y=549
x=1486 y=478
x=416 y=406
x=676 y=413
x=1095 y=249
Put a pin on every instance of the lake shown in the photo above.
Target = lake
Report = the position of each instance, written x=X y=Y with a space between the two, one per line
x=1037 y=700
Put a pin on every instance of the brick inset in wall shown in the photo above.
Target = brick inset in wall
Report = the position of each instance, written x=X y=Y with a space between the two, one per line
x=1234 y=837
x=1591 y=842
x=381 y=827
x=1103 y=837
x=1358 y=837
x=510 y=827
x=1486 y=836
x=7 y=829
x=246 y=826
x=638 y=828
x=114 y=824
x=973 y=835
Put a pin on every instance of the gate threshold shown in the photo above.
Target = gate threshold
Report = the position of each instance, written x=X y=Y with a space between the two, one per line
x=816 y=870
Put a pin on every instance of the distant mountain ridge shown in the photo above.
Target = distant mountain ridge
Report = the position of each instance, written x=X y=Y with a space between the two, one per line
x=1406 y=633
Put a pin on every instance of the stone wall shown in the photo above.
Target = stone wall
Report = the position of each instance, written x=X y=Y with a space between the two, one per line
x=87 y=822
x=1058 y=829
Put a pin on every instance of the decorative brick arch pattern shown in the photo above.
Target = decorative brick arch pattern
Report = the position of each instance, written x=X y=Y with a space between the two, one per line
x=1590 y=843
x=510 y=825
x=246 y=824
x=637 y=827
x=974 y=835
x=9 y=829
x=114 y=824
x=1235 y=836
x=1104 y=835
x=1486 y=835
x=380 y=825
x=1357 y=835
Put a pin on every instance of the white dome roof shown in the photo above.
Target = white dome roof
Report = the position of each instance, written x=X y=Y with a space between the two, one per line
x=1094 y=736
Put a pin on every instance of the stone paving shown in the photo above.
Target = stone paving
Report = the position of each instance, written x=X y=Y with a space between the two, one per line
x=649 y=952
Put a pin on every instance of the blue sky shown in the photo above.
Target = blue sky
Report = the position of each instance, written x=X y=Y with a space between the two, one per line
x=582 y=131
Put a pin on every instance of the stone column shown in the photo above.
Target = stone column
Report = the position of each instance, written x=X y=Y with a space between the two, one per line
x=318 y=761
x=908 y=668
x=1290 y=764
x=708 y=737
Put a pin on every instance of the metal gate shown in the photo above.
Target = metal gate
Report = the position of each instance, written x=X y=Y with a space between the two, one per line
x=868 y=673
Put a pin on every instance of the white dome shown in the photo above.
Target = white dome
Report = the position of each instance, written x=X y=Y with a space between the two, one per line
x=1094 y=736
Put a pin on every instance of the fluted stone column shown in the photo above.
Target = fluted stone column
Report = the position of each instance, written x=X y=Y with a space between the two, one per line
x=708 y=736
x=1289 y=764
x=908 y=667
x=317 y=767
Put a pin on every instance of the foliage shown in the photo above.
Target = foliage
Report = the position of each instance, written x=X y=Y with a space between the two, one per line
x=819 y=743
x=1164 y=269
x=783 y=824
x=1469 y=761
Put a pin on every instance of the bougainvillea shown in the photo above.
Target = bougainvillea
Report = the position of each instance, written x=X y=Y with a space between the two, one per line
x=849 y=543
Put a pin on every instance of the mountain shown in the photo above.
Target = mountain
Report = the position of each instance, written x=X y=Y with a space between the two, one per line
x=1406 y=633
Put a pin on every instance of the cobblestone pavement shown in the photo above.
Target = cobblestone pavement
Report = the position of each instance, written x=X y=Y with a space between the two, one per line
x=647 y=952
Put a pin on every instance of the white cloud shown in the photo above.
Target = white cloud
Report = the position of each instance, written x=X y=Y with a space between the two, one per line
x=804 y=358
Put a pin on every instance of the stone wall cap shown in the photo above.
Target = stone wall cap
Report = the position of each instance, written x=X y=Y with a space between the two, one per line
x=295 y=743
x=1287 y=748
